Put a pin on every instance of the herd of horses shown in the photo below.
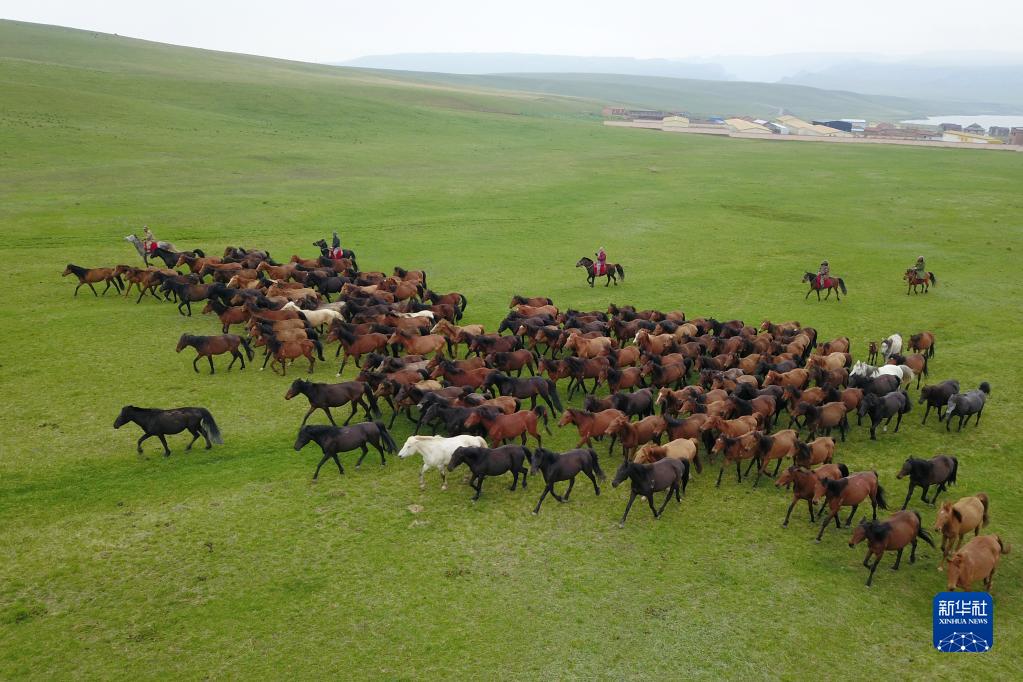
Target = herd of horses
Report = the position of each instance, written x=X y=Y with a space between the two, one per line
x=681 y=393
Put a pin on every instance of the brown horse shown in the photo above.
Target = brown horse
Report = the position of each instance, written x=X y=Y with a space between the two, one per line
x=976 y=561
x=456 y=376
x=776 y=446
x=632 y=435
x=503 y=427
x=850 y=492
x=419 y=345
x=90 y=276
x=796 y=378
x=956 y=520
x=736 y=449
x=808 y=485
x=818 y=451
x=893 y=534
x=825 y=417
x=913 y=281
x=922 y=343
x=357 y=346
x=590 y=424
x=208 y=346
x=282 y=351
x=228 y=314
x=533 y=301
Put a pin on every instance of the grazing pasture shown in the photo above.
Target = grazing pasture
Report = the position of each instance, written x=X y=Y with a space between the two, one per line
x=230 y=562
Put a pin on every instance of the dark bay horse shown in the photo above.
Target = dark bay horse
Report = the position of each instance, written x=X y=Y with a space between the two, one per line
x=613 y=272
x=325 y=396
x=646 y=479
x=159 y=423
x=565 y=467
x=208 y=346
x=828 y=284
x=939 y=470
x=893 y=534
x=529 y=387
x=937 y=396
x=485 y=462
x=335 y=439
x=850 y=492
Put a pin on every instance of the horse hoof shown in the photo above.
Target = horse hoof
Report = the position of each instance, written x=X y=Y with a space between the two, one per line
x=536 y=513
x=621 y=525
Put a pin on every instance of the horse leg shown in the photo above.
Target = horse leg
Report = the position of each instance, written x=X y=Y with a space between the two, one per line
x=365 y=451
x=628 y=506
x=898 y=559
x=777 y=466
x=195 y=437
x=547 y=489
x=195 y=366
x=93 y=289
x=650 y=501
x=138 y=445
x=478 y=487
x=926 y=411
x=210 y=358
x=912 y=554
x=234 y=356
x=571 y=484
x=848 y=521
x=909 y=494
x=163 y=439
x=808 y=294
x=824 y=525
x=809 y=503
x=422 y=477
x=667 y=498
x=721 y=472
x=898 y=423
x=317 y=472
x=923 y=495
x=593 y=479
x=873 y=568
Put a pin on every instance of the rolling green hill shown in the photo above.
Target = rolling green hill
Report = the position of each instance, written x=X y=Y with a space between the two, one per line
x=230 y=563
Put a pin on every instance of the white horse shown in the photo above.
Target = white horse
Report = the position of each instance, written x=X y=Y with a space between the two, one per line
x=903 y=372
x=316 y=318
x=422 y=313
x=891 y=346
x=436 y=452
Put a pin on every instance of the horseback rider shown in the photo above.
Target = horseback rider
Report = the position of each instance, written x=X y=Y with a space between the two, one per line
x=920 y=268
x=601 y=262
x=149 y=242
x=335 y=246
x=823 y=272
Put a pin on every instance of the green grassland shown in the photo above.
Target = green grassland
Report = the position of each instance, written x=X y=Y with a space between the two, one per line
x=230 y=563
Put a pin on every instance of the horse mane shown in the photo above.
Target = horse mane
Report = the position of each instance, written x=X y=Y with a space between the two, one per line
x=876 y=530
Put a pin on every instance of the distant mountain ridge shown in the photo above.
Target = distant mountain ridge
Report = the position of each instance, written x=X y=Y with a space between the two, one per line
x=963 y=77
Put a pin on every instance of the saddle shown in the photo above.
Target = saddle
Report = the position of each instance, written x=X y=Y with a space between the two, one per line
x=599 y=269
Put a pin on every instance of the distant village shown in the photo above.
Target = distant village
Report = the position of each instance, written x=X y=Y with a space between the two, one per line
x=844 y=129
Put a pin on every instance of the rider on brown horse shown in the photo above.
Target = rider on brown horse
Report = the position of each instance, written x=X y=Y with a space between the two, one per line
x=601 y=268
x=921 y=269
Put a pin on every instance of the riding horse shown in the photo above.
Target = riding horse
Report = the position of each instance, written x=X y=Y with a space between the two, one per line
x=159 y=423
x=820 y=284
x=914 y=281
x=613 y=271
x=328 y=252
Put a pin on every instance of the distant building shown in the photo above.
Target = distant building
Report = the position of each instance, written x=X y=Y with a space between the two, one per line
x=999 y=132
x=777 y=128
x=675 y=122
x=845 y=126
x=974 y=129
x=858 y=124
x=971 y=138
x=741 y=125
x=950 y=126
x=1016 y=136
x=798 y=126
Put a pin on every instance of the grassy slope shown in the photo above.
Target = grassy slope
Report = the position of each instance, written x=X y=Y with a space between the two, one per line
x=720 y=98
x=231 y=563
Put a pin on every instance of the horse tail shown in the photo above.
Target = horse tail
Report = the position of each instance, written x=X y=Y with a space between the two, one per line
x=199 y=252
x=555 y=398
x=841 y=283
x=596 y=465
x=955 y=470
x=934 y=280
x=926 y=370
x=385 y=435
x=465 y=302
x=247 y=347
x=984 y=501
x=206 y=419
x=843 y=469
x=458 y=313
x=541 y=412
x=319 y=349
x=618 y=269
x=920 y=531
x=882 y=501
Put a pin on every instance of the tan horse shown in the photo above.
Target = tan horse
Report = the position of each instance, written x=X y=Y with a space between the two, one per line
x=976 y=561
x=956 y=520
x=90 y=276
x=687 y=449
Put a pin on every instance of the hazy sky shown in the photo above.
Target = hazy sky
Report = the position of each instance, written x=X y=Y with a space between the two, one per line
x=335 y=31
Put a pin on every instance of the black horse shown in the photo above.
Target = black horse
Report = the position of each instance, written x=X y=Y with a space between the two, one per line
x=880 y=385
x=637 y=404
x=529 y=387
x=335 y=439
x=325 y=396
x=565 y=467
x=937 y=396
x=485 y=462
x=967 y=404
x=159 y=423
x=613 y=271
x=892 y=405
x=939 y=470
x=667 y=474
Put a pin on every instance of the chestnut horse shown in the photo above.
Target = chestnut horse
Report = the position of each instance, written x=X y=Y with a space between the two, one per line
x=850 y=492
x=808 y=485
x=893 y=534
x=502 y=427
x=89 y=276
x=976 y=561
x=956 y=520
x=208 y=346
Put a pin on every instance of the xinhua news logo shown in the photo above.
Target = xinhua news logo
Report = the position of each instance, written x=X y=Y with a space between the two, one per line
x=963 y=622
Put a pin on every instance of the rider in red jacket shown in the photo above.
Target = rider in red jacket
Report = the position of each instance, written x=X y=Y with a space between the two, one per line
x=601 y=262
